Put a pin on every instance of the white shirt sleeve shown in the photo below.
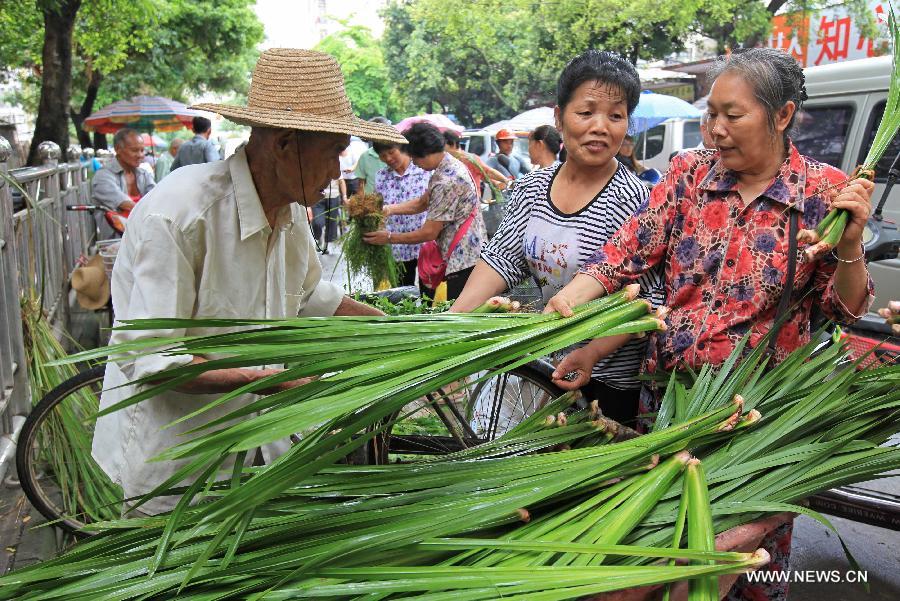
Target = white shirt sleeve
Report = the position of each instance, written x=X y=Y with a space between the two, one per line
x=156 y=279
x=323 y=298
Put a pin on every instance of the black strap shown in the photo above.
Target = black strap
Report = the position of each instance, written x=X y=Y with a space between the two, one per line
x=785 y=302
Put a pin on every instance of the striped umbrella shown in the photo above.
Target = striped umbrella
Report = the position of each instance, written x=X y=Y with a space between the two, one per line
x=149 y=113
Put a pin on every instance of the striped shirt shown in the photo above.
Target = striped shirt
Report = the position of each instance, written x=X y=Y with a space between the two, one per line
x=536 y=239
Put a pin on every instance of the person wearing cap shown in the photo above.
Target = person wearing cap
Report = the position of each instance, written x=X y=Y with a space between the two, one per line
x=506 y=162
x=368 y=165
x=228 y=239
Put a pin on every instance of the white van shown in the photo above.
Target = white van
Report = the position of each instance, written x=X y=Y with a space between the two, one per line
x=836 y=126
x=654 y=146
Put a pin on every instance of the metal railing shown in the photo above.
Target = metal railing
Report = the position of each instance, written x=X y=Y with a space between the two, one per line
x=40 y=245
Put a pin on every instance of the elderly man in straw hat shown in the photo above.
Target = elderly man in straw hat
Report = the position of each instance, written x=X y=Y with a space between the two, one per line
x=228 y=239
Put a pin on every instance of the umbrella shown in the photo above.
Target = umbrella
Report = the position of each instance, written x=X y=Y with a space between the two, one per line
x=150 y=113
x=442 y=122
x=153 y=140
x=527 y=121
x=653 y=109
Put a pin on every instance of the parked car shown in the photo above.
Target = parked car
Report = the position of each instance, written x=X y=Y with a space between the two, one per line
x=654 y=146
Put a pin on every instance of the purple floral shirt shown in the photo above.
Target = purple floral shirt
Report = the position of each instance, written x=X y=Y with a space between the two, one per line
x=396 y=188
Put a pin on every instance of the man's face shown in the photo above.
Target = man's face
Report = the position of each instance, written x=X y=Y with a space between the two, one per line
x=130 y=152
x=506 y=146
x=173 y=148
x=304 y=178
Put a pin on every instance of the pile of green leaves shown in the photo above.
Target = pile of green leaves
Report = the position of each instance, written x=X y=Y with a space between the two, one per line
x=405 y=306
x=557 y=508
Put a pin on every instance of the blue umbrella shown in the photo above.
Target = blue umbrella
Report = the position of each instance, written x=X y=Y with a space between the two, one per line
x=653 y=109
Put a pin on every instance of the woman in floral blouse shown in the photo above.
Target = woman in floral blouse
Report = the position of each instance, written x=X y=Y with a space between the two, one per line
x=719 y=225
x=451 y=201
x=400 y=181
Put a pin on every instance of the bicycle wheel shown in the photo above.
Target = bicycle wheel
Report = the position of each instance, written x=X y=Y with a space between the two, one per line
x=502 y=402
x=53 y=456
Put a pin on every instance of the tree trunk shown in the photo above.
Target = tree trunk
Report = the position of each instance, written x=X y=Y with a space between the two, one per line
x=87 y=107
x=56 y=79
x=100 y=141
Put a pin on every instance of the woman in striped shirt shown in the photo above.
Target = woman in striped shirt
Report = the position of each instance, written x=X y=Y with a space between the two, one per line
x=558 y=216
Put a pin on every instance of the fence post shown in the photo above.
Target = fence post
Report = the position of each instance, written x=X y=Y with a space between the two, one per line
x=14 y=392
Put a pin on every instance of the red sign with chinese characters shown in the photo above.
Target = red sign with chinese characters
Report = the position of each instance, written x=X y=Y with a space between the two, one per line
x=824 y=37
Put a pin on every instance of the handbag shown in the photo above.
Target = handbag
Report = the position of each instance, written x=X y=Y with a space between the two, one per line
x=432 y=266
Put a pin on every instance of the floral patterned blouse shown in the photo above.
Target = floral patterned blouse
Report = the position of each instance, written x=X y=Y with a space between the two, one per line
x=452 y=200
x=397 y=188
x=725 y=259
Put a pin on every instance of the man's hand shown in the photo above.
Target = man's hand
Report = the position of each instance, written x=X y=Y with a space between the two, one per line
x=378 y=238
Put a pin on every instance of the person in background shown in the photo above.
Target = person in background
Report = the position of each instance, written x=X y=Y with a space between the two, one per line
x=326 y=213
x=545 y=147
x=121 y=183
x=165 y=160
x=199 y=149
x=479 y=170
x=401 y=181
x=723 y=226
x=556 y=217
x=453 y=206
x=506 y=161
x=348 y=161
x=627 y=158
x=369 y=164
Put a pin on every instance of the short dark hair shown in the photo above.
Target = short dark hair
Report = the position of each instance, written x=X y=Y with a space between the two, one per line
x=379 y=146
x=424 y=139
x=602 y=66
x=200 y=125
x=122 y=136
x=451 y=138
x=549 y=136
x=775 y=76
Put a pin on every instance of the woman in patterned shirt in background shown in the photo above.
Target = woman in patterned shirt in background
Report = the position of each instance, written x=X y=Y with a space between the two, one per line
x=452 y=204
x=401 y=181
x=719 y=224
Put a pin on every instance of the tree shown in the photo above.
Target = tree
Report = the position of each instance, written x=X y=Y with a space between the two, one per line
x=365 y=74
x=114 y=49
x=56 y=76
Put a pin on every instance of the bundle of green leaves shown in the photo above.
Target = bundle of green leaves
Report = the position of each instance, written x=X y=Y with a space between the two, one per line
x=375 y=261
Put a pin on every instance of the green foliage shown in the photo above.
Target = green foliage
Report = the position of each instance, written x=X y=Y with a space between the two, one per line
x=405 y=306
x=365 y=73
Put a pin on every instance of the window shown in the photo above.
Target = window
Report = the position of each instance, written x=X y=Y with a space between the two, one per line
x=691 y=136
x=890 y=154
x=821 y=132
x=655 y=137
x=475 y=145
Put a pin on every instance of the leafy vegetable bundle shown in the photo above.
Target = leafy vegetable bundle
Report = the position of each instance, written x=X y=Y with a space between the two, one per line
x=558 y=508
x=376 y=262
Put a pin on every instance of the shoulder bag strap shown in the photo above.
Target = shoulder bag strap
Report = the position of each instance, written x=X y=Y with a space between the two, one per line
x=785 y=301
x=462 y=231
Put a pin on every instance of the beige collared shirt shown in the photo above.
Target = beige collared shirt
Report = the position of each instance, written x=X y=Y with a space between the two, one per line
x=198 y=245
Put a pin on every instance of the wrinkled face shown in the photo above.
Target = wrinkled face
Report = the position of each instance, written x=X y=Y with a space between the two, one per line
x=304 y=177
x=506 y=146
x=394 y=158
x=130 y=152
x=739 y=126
x=594 y=123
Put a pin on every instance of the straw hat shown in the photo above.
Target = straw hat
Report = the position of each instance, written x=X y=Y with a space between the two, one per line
x=301 y=89
x=91 y=284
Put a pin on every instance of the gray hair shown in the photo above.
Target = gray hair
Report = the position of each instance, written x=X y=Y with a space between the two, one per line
x=775 y=76
x=123 y=135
